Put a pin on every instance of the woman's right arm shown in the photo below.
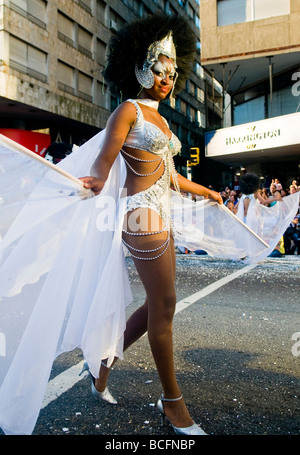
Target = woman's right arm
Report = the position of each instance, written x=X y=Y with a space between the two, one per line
x=117 y=129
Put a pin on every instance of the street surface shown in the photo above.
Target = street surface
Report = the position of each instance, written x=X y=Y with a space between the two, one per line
x=237 y=349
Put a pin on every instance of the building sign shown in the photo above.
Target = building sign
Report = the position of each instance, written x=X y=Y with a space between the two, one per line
x=36 y=142
x=253 y=139
x=260 y=135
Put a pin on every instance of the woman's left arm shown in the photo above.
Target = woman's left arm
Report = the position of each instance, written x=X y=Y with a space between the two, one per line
x=192 y=187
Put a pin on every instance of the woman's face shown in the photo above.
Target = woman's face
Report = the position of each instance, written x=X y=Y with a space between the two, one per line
x=164 y=77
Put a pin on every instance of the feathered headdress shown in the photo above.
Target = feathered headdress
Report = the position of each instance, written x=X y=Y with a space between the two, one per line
x=131 y=46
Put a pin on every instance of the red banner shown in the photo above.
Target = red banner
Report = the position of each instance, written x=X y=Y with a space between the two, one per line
x=36 y=142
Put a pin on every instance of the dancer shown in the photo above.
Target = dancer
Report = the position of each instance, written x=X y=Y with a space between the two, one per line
x=63 y=277
x=268 y=222
x=142 y=136
x=249 y=186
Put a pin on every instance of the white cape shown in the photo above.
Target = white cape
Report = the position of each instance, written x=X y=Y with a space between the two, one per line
x=269 y=223
x=63 y=277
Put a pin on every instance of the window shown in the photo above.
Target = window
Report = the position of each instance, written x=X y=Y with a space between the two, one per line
x=66 y=77
x=85 y=42
x=175 y=128
x=22 y=4
x=115 y=20
x=36 y=60
x=199 y=70
x=201 y=119
x=100 y=10
x=250 y=111
x=74 y=35
x=191 y=87
x=17 y=51
x=233 y=11
x=183 y=107
x=27 y=59
x=192 y=114
x=85 y=87
x=101 y=52
x=238 y=11
x=35 y=10
x=283 y=102
x=134 y=5
x=184 y=137
x=66 y=30
x=200 y=94
x=86 y=4
x=101 y=98
x=190 y=11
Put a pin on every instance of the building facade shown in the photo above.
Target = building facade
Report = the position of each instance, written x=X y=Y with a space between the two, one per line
x=52 y=53
x=252 y=47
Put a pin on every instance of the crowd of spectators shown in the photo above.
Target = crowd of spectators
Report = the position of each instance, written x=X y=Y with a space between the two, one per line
x=290 y=241
x=271 y=194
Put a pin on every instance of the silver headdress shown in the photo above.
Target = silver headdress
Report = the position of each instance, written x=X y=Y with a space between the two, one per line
x=165 y=47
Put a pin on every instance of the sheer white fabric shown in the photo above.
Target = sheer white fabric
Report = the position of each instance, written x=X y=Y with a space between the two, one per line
x=63 y=277
x=59 y=269
x=211 y=227
x=269 y=223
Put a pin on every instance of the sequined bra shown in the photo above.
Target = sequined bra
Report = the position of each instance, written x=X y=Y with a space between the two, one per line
x=146 y=136
x=149 y=137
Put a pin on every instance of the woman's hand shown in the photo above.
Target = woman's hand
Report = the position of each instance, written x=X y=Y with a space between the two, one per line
x=215 y=196
x=93 y=183
x=192 y=187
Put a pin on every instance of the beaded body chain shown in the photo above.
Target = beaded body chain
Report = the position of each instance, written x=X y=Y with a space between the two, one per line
x=143 y=161
x=148 y=137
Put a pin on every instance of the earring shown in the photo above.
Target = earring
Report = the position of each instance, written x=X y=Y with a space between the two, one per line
x=144 y=77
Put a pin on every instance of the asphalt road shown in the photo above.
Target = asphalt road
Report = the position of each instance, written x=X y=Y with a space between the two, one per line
x=238 y=364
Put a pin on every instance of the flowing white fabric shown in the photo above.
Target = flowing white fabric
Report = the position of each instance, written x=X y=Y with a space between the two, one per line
x=63 y=277
x=211 y=227
x=269 y=223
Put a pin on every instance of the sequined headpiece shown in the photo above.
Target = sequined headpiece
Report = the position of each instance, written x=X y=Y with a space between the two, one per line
x=165 y=47
x=130 y=48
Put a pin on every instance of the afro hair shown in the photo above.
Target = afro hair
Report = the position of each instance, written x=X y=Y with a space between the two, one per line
x=128 y=47
x=249 y=183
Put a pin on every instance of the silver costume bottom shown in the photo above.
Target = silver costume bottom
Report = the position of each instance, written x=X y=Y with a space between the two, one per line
x=155 y=198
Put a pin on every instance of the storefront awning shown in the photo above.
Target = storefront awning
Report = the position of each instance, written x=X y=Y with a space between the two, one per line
x=274 y=139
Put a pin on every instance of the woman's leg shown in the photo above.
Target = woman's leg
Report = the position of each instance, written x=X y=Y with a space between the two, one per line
x=158 y=279
x=156 y=315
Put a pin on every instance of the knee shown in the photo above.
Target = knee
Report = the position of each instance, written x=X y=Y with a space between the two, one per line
x=163 y=308
x=169 y=304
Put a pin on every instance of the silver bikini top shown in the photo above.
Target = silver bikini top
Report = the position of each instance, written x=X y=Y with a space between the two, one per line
x=149 y=137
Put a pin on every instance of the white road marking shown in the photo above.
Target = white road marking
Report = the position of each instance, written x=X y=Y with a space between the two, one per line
x=62 y=383
x=68 y=378
x=187 y=301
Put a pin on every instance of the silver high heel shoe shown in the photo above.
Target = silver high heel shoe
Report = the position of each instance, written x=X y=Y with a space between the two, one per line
x=192 y=430
x=105 y=395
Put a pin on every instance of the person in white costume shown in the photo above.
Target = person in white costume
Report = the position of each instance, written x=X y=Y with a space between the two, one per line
x=63 y=277
x=268 y=222
x=147 y=146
